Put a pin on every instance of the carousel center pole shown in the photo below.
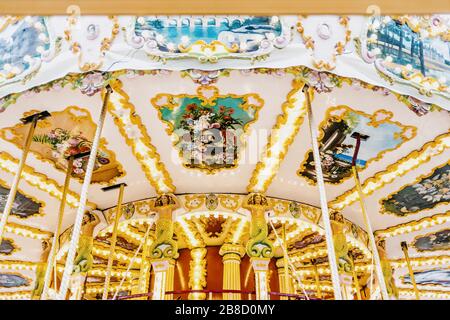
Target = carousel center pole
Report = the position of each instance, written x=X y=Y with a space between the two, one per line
x=112 y=247
x=32 y=120
x=51 y=262
x=68 y=269
x=373 y=244
x=410 y=270
x=323 y=198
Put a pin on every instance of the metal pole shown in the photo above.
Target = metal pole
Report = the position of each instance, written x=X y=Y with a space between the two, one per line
x=355 y=278
x=376 y=256
x=55 y=245
x=68 y=269
x=287 y=287
x=411 y=272
x=316 y=277
x=33 y=119
x=323 y=199
x=112 y=247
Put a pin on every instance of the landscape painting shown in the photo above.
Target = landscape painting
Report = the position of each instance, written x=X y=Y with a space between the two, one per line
x=9 y=280
x=430 y=277
x=439 y=240
x=410 y=51
x=23 y=206
x=6 y=247
x=337 y=145
x=175 y=34
x=425 y=194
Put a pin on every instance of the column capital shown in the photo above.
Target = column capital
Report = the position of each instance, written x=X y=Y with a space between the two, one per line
x=230 y=248
x=260 y=264
x=280 y=263
x=160 y=265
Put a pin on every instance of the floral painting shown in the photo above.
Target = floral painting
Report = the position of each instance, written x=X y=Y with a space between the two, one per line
x=10 y=280
x=23 y=206
x=214 y=36
x=430 y=277
x=439 y=240
x=64 y=134
x=427 y=193
x=209 y=131
x=337 y=145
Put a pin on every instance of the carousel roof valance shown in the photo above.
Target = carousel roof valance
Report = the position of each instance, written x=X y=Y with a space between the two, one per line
x=406 y=54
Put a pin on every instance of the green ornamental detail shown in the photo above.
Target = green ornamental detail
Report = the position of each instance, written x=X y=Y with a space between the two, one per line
x=164 y=246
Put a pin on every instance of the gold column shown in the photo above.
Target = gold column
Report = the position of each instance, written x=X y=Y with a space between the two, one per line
x=355 y=278
x=197 y=273
x=386 y=269
x=164 y=273
x=112 y=247
x=261 y=268
x=410 y=270
x=231 y=257
x=259 y=247
x=144 y=273
x=286 y=284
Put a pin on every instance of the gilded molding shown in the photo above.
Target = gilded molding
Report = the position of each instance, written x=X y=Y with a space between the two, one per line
x=395 y=170
x=413 y=226
x=276 y=149
x=142 y=147
x=39 y=180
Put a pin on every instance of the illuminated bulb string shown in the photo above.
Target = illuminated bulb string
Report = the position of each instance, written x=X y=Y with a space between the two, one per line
x=132 y=261
x=289 y=260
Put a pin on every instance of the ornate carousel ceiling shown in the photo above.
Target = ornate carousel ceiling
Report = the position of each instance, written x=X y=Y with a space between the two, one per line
x=242 y=75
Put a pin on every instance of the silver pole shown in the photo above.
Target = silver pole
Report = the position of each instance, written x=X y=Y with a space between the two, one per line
x=323 y=199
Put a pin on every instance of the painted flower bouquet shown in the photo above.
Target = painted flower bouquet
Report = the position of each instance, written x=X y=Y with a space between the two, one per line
x=65 y=143
x=208 y=126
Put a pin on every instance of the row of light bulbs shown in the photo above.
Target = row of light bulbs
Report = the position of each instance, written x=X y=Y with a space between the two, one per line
x=402 y=167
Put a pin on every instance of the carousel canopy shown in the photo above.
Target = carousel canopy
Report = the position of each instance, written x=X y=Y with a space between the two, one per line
x=241 y=79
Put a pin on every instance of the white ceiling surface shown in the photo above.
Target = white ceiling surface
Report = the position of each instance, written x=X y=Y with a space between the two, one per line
x=286 y=184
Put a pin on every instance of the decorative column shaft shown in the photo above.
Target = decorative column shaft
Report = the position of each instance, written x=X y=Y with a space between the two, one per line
x=197 y=273
x=164 y=274
x=231 y=257
x=286 y=283
x=261 y=268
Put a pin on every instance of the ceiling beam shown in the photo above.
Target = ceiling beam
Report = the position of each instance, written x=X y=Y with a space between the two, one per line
x=254 y=7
